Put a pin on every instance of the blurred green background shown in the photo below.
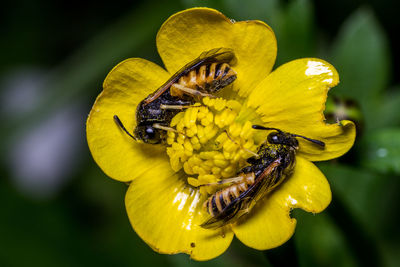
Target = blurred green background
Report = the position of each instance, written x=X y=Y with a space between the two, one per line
x=59 y=209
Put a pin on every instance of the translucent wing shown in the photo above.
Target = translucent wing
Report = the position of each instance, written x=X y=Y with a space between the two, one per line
x=227 y=215
x=221 y=55
x=242 y=205
x=266 y=181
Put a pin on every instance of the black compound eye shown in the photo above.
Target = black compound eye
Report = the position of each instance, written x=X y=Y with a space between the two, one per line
x=150 y=131
x=273 y=138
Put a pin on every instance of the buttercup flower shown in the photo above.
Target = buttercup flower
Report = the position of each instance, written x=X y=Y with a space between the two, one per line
x=168 y=182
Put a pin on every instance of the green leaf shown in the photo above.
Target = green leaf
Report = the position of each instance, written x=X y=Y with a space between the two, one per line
x=380 y=150
x=217 y=4
x=388 y=111
x=360 y=53
x=360 y=191
x=295 y=32
x=292 y=24
x=265 y=10
x=320 y=242
x=368 y=200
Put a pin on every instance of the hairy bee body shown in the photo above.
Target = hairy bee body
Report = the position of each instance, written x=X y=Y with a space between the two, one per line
x=265 y=173
x=149 y=114
x=275 y=162
x=221 y=199
x=207 y=78
x=205 y=75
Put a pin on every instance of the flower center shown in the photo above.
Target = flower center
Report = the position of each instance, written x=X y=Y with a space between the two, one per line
x=209 y=145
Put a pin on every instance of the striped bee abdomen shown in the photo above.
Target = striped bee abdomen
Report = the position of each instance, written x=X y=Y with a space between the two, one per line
x=275 y=161
x=209 y=77
x=216 y=203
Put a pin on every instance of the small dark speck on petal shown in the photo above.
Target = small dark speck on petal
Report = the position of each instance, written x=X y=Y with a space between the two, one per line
x=192 y=245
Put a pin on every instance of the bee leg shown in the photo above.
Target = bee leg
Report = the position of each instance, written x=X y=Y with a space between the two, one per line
x=245 y=211
x=228 y=180
x=177 y=89
x=165 y=128
x=247 y=207
x=180 y=107
x=242 y=147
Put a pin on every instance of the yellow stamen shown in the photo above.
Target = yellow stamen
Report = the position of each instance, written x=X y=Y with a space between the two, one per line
x=209 y=145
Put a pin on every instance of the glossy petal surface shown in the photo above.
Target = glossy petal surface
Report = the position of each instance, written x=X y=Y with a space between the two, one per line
x=269 y=223
x=185 y=35
x=166 y=214
x=119 y=156
x=292 y=98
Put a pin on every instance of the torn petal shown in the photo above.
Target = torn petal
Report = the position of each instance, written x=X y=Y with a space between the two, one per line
x=269 y=224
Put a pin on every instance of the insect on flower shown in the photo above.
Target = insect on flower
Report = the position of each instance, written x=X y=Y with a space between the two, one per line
x=210 y=138
x=274 y=162
x=204 y=76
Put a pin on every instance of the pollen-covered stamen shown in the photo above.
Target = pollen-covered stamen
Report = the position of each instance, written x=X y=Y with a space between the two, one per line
x=209 y=145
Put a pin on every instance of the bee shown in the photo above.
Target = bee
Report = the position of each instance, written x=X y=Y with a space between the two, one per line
x=274 y=163
x=204 y=76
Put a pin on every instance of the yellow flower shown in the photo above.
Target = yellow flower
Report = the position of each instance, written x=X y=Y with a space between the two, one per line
x=164 y=209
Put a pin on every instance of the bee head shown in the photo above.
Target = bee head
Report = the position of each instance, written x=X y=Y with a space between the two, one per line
x=283 y=138
x=148 y=134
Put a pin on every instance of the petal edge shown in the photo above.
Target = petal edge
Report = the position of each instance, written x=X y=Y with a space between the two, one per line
x=254 y=43
x=299 y=90
x=269 y=224
x=167 y=214
x=119 y=156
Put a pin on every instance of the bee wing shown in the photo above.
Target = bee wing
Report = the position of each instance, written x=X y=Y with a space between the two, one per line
x=222 y=55
x=227 y=215
x=242 y=204
x=264 y=182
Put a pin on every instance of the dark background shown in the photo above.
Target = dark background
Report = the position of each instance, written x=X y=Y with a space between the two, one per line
x=59 y=209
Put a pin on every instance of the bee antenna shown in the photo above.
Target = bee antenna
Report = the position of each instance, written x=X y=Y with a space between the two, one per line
x=320 y=143
x=259 y=127
x=121 y=125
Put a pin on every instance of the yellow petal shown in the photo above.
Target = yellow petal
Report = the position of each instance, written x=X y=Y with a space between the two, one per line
x=166 y=213
x=338 y=140
x=186 y=34
x=269 y=224
x=292 y=98
x=119 y=156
